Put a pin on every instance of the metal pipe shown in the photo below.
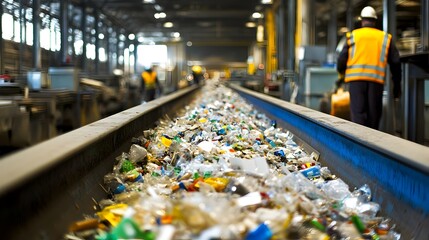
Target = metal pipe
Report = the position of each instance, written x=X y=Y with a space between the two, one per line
x=37 y=56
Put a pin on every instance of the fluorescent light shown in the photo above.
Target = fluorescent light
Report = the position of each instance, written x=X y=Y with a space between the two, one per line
x=160 y=15
x=168 y=24
x=250 y=24
x=266 y=1
x=256 y=15
x=175 y=34
x=158 y=8
x=148 y=1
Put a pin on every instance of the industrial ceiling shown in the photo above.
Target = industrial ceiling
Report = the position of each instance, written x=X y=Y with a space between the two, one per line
x=194 y=20
x=225 y=20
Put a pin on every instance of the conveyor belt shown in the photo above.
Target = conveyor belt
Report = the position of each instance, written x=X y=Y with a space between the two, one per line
x=46 y=187
x=396 y=170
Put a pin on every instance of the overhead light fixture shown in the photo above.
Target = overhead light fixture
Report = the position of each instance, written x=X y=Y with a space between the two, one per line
x=175 y=34
x=140 y=39
x=189 y=43
x=100 y=36
x=131 y=36
x=168 y=24
x=148 y=1
x=160 y=15
x=250 y=24
x=257 y=15
x=266 y=1
x=158 y=8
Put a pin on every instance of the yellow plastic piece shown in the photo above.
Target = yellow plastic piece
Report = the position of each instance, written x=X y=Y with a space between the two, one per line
x=218 y=184
x=167 y=142
x=202 y=120
x=113 y=213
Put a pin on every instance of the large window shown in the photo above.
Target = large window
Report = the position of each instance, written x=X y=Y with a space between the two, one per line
x=8 y=26
x=152 y=55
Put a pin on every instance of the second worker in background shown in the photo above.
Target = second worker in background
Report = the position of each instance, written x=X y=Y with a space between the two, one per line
x=364 y=60
x=150 y=84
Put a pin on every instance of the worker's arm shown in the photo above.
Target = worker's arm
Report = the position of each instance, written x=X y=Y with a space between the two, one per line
x=395 y=68
x=342 y=59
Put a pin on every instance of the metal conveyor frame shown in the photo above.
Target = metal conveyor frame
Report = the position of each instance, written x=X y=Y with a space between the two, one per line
x=396 y=170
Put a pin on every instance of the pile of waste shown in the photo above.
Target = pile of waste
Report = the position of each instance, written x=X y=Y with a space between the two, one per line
x=222 y=170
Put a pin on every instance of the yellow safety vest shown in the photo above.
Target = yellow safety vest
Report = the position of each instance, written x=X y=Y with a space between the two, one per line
x=149 y=79
x=368 y=49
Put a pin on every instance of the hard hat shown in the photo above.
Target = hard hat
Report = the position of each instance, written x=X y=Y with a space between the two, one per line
x=368 y=12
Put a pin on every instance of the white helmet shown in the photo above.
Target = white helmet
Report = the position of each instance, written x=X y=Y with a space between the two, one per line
x=368 y=12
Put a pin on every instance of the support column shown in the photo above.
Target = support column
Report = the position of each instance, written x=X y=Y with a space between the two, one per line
x=64 y=30
x=21 y=35
x=271 y=64
x=389 y=25
x=1 y=41
x=349 y=15
x=332 y=32
x=108 y=52
x=291 y=37
x=305 y=11
x=389 y=18
x=424 y=23
x=118 y=49
x=135 y=55
x=281 y=39
x=37 y=58
x=97 y=41
x=83 y=24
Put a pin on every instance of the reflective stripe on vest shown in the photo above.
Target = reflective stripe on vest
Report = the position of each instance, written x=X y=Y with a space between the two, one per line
x=149 y=79
x=367 y=60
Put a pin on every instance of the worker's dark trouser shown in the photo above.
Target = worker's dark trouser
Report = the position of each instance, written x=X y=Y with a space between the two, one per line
x=366 y=102
x=150 y=94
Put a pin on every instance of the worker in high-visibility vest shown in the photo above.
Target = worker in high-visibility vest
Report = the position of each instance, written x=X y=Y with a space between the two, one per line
x=364 y=60
x=150 y=84
x=197 y=73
